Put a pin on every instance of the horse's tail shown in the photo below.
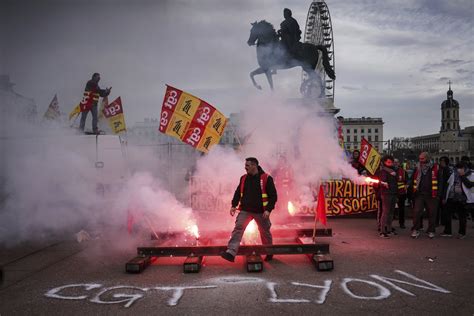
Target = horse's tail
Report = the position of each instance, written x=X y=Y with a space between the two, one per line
x=327 y=66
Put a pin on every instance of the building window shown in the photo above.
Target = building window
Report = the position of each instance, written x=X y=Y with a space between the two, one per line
x=376 y=138
x=362 y=131
x=348 y=131
x=448 y=124
x=355 y=130
x=376 y=130
x=447 y=113
x=370 y=138
x=348 y=138
x=369 y=130
x=355 y=138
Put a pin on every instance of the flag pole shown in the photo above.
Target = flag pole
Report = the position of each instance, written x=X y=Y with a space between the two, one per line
x=147 y=220
x=75 y=119
x=315 y=223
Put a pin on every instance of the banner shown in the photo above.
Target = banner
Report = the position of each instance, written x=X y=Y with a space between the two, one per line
x=113 y=112
x=369 y=157
x=191 y=120
x=52 y=112
x=343 y=197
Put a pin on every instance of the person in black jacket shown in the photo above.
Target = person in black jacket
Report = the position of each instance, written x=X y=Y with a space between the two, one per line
x=388 y=194
x=92 y=92
x=256 y=196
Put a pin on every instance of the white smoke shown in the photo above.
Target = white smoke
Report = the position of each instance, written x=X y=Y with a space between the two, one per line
x=50 y=185
x=278 y=126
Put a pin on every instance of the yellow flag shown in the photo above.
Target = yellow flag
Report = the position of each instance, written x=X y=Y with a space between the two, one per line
x=369 y=157
x=191 y=120
x=75 y=111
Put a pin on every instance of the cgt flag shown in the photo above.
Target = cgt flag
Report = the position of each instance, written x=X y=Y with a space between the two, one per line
x=191 y=120
x=369 y=157
x=113 y=112
x=52 y=113
x=86 y=103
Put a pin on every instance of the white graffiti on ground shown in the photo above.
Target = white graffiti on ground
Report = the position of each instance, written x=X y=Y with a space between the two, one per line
x=128 y=299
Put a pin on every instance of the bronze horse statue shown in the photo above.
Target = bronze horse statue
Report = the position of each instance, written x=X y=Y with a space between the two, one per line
x=272 y=54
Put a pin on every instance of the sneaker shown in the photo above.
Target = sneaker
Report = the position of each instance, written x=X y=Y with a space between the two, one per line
x=227 y=256
x=268 y=258
x=431 y=235
x=393 y=233
x=446 y=235
x=415 y=234
x=461 y=236
x=383 y=235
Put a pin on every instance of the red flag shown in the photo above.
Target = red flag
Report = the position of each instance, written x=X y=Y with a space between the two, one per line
x=321 y=207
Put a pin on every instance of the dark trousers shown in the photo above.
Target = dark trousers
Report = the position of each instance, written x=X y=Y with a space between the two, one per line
x=444 y=214
x=431 y=204
x=401 y=209
x=388 y=209
x=456 y=207
x=94 y=118
x=241 y=222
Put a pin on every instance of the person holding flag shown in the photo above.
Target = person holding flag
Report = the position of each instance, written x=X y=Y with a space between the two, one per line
x=90 y=100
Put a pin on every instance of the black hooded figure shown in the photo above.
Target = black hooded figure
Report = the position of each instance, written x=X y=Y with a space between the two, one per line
x=289 y=32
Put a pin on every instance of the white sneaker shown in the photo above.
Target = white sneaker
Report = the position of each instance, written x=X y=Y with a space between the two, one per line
x=431 y=235
x=415 y=234
x=461 y=236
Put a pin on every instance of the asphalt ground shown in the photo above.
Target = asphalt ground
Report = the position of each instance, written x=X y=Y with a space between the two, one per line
x=372 y=276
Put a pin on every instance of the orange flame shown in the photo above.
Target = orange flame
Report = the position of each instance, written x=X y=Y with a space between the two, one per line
x=251 y=233
x=369 y=180
x=291 y=209
x=193 y=230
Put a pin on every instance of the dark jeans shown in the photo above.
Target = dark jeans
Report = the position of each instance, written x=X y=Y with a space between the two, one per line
x=94 y=118
x=401 y=209
x=388 y=209
x=460 y=209
x=443 y=210
x=431 y=204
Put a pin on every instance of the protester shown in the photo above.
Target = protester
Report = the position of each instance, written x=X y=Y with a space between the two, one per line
x=355 y=162
x=256 y=196
x=445 y=171
x=92 y=93
x=402 y=180
x=388 y=194
x=289 y=32
x=456 y=198
x=427 y=187
x=469 y=184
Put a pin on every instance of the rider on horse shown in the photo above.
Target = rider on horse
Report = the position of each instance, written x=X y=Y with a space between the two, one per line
x=290 y=33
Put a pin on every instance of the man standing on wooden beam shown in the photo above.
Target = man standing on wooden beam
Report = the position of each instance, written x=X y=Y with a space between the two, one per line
x=255 y=197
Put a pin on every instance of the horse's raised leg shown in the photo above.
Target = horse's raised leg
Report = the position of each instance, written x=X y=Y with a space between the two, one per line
x=257 y=71
x=268 y=73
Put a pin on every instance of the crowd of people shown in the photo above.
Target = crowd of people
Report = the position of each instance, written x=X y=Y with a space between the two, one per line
x=440 y=191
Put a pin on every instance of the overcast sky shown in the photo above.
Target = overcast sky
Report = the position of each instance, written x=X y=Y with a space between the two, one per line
x=393 y=58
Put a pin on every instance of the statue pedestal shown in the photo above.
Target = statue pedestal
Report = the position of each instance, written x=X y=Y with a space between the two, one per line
x=323 y=105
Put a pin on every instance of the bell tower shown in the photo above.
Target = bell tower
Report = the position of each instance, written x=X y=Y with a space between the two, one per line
x=450 y=113
x=449 y=135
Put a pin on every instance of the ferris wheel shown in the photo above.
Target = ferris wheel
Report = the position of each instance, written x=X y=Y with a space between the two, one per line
x=318 y=31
